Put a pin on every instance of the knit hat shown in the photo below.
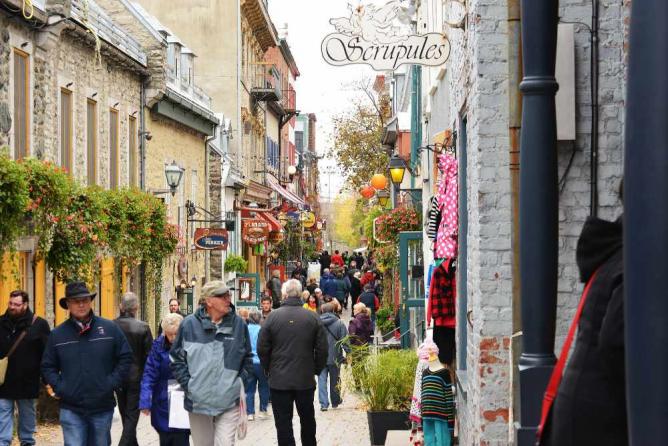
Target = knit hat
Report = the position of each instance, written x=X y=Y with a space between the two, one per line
x=426 y=348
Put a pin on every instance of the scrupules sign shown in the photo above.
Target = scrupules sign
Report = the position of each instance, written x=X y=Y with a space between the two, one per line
x=370 y=36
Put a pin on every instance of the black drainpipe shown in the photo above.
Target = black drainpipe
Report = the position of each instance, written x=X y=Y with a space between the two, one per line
x=539 y=204
x=593 y=161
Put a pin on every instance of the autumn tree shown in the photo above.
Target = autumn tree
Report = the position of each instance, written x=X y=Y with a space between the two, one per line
x=357 y=134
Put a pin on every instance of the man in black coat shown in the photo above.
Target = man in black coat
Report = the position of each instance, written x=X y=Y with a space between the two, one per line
x=21 y=386
x=293 y=350
x=590 y=406
x=139 y=336
x=274 y=287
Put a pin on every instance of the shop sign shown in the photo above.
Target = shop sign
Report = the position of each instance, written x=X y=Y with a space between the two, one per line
x=254 y=231
x=211 y=239
x=308 y=219
x=276 y=237
x=380 y=36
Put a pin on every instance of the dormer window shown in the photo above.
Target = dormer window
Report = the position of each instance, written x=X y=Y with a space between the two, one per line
x=187 y=67
x=174 y=58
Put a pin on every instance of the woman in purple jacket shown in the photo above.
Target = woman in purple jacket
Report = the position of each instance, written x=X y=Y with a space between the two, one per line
x=154 y=398
x=360 y=328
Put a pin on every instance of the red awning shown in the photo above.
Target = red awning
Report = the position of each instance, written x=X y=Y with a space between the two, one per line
x=273 y=222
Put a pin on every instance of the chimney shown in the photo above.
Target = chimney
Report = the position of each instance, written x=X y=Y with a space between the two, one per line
x=311 y=131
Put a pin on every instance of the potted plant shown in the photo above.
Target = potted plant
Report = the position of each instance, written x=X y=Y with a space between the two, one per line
x=384 y=382
x=235 y=264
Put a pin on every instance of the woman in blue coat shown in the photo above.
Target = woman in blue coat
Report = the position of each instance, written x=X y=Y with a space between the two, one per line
x=154 y=398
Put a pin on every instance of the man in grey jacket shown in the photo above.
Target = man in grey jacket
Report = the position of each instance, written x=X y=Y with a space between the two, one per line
x=211 y=355
x=336 y=330
x=293 y=349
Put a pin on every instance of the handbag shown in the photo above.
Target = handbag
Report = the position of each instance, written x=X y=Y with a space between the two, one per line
x=4 y=362
x=557 y=372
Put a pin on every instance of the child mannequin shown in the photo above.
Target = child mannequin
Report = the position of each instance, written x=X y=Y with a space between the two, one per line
x=437 y=403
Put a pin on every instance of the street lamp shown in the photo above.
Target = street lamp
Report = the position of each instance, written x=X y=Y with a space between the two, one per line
x=173 y=174
x=383 y=197
x=397 y=169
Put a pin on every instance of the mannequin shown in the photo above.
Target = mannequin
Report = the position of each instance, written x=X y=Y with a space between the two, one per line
x=437 y=401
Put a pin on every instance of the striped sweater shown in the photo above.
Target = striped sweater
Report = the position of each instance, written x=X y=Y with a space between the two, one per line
x=437 y=398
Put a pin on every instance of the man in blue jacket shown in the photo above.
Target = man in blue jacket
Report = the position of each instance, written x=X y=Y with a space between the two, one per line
x=86 y=359
x=211 y=357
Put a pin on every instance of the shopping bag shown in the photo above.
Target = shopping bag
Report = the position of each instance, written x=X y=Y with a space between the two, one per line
x=242 y=424
x=178 y=415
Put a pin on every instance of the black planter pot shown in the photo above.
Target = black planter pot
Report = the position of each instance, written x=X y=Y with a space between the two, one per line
x=381 y=422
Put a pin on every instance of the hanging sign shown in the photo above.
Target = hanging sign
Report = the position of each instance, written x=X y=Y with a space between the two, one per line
x=380 y=36
x=211 y=239
x=254 y=231
x=308 y=219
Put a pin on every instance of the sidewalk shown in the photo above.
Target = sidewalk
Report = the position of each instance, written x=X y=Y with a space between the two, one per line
x=345 y=426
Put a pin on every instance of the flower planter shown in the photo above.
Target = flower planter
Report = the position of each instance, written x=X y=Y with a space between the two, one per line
x=383 y=421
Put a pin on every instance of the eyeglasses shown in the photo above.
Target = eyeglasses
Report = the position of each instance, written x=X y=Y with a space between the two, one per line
x=223 y=296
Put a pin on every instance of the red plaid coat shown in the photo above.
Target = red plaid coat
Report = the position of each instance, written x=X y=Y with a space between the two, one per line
x=442 y=295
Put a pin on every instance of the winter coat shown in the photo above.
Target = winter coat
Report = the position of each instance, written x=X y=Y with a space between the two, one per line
x=292 y=347
x=153 y=394
x=325 y=261
x=355 y=288
x=338 y=260
x=211 y=361
x=341 y=289
x=22 y=377
x=590 y=406
x=335 y=330
x=328 y=285
x=360 y=329
x=139 y=336
x=371 y=301
x=274 y=286
x=84 y=368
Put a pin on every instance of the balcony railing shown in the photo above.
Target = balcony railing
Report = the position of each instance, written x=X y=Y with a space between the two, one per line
x=265 y=83
x=98 y=20
x=190 y=91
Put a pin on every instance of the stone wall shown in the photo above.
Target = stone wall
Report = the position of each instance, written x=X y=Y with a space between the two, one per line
x=216 y=190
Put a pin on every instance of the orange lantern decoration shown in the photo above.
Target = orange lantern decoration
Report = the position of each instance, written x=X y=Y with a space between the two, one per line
x=378 y=181
x=367 y=192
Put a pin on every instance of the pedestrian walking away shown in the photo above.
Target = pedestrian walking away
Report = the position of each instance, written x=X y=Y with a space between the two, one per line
x=139 y=336
x=590 y=404
x=328 y=283
x=370 y=300
x=274 y=287
x=86 y=358
x=256 y=380
x=211 y=358
x=154 y=398
x=325 y=262
x=292 y=347
x=23 y=337
x=335 y=331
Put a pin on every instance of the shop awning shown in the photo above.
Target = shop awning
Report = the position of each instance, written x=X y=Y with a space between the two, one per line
x=273 y=221
x=274 y=184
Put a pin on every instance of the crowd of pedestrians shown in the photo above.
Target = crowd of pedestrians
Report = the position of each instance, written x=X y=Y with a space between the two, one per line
x=219 y=358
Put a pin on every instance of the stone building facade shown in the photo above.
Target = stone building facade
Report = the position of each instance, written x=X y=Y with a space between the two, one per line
x=67 y=90
x=473 y=97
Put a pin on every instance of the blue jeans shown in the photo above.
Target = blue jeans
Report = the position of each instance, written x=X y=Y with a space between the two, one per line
x=436 y=432
x=333 y=371
x=26 y=428
x=86 y=430
x=257 y=380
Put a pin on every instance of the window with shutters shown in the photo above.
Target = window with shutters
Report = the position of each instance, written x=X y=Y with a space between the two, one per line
x=113 y=148
x=91 y=141
x=132 y=149
x=66 y=152
x=21 y=122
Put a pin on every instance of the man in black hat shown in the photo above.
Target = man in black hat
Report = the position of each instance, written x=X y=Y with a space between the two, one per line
x=23 y=335
x=86 y=359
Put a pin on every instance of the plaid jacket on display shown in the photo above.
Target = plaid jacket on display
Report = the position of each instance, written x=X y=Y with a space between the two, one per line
x=442 y=294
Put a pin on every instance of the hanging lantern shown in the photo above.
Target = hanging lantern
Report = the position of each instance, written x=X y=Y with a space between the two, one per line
x=379 y=181
x=397 y=169
x=367 y=192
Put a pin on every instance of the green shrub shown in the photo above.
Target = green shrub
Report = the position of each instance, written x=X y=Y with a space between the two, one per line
x=235 y=263
x=385 y=380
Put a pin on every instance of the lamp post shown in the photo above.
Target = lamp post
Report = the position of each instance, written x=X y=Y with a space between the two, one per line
x=539 y=200
x=397 y=168
x=383 y=197
x=173 y=174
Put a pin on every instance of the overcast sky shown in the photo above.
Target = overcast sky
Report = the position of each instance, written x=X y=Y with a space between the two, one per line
x=320 y=88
